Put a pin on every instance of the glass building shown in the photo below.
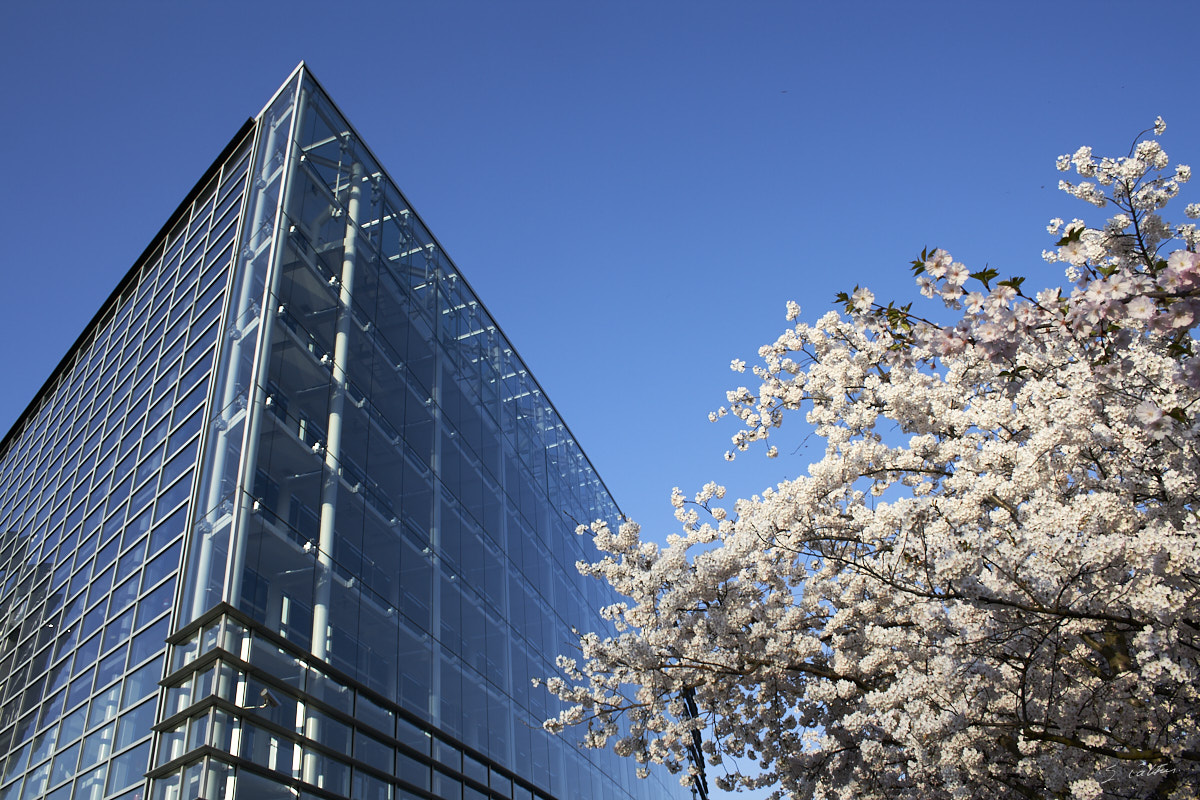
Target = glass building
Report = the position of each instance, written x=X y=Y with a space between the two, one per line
x=291 y=518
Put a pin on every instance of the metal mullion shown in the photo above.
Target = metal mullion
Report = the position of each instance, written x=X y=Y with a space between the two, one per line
x=255 y=409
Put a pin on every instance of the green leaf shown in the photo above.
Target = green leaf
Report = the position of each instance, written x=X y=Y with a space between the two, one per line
x=1015 y=372
x=1073 y=236
x=918 y=265
x=985 y=276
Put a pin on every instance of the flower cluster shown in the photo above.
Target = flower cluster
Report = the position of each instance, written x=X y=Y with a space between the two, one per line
x=987 y=587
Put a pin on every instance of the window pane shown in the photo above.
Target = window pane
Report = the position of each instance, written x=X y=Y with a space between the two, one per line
x=134 y=724
x=128 y=768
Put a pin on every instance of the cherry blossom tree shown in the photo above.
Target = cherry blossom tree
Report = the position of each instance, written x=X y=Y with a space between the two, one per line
x=989 y=586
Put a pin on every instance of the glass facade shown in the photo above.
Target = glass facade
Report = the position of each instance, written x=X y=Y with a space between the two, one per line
x=293 y=519
x=95 y=483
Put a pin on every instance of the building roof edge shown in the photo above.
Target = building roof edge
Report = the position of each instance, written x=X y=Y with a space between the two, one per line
x=130 y=276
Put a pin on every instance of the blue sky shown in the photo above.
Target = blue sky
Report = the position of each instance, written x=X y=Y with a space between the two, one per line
x=633 y=188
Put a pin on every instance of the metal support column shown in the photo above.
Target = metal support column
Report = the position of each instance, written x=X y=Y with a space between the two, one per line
x=322 y=594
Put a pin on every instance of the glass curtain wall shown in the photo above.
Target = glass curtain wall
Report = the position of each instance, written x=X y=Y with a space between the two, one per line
x=383 y=555
x=95 y=482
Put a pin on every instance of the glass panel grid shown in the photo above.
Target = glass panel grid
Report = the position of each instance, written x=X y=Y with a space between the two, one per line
x=374 y=511
x=69 y=652
x=407 y=496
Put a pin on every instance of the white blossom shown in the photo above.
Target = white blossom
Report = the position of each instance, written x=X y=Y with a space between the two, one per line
x=1141 y=308
x=985 y=588
x=1148 y=413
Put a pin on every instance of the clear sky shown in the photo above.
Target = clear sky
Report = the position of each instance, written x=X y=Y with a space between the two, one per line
x=633 y=188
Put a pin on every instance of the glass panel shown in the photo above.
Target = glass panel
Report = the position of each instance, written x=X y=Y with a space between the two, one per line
x=104 y=706
x=328 y=731
x=149 y=642
x=134 y=724
x=97 y=745
x=326 y=772
x=91 y=785
x=266 y=749
x=35 y=782
x=373 y=752
x=43 y=745
x=72 y=726
x=64 y=764
x=142 y=682
x=368 y=787
x=128 y=768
